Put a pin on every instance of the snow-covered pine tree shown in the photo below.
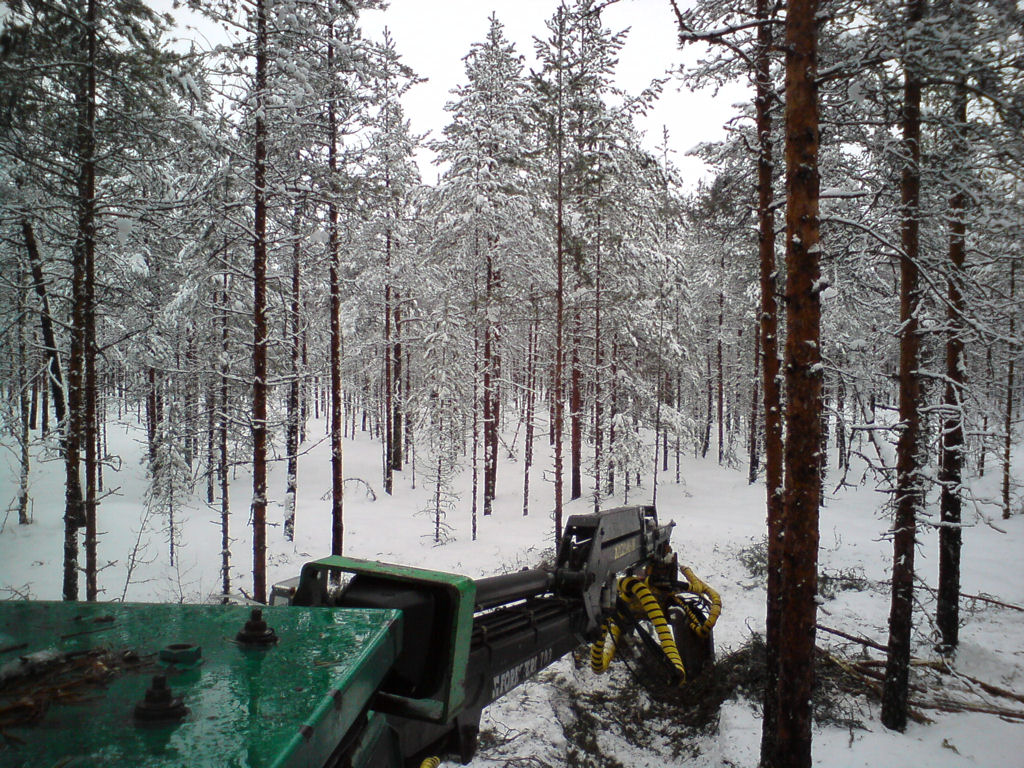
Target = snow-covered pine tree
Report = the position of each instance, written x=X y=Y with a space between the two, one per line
x=484 y=207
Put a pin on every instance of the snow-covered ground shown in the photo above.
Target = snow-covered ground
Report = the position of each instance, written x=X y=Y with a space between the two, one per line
x=718 y=516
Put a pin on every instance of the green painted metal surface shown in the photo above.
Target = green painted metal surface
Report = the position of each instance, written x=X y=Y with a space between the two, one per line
x=286 y=705
x=461 y=591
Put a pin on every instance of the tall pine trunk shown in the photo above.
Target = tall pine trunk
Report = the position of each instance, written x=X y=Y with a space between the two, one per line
x=295 y=344
x=598 y=384
x=772 y=407
x=947 y=609
x=556 y=388
x=54 y=374
x=576 y=413
x=259 y=308
x=87 y=243
x=389 y=397
x=531 y=399
x=753 y=460
x=909 y=493
x=1010 y=393
x=24 y=409
x=720 y=383
x=798 y=551
x=337 y=417
x=223 y=421
x=397 y=442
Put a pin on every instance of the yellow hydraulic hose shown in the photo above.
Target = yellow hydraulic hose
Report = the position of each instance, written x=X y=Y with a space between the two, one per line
x=431 y=762
x=637 y=594
x=602 y=652
x=698 y=587
x=642 y=598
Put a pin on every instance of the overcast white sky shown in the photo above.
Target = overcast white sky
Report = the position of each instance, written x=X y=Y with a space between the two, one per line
x=433 y=36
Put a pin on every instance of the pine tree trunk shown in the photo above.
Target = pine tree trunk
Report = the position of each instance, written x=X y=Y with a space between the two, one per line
x=720 y=385
x=476 y=431
x=709 y=411
x=798 y=553
x=408 y=449
x=24 y=406
x=397 y=439
x=87 y=245
x=223 y=421
x=33 y=415
x=491 y=372
x=490 y=427
x=44 y=426
x=336 y=415
x=752 y=465
x=152 y=412
x=947 y=609
x=556 y=385
x=658 y=399
x=666 y=384
x=1010 y=392
x=295 y=341
x=983 y=441
x=613 y=412
x=389 y=462
x=437 y=497
x=211 y=440
x=598 y=363
x=678 y=442
x=576 y=413
x=768 y=338
x=531 y=399
x=909 y=493
x=842 y=449
x=74 y=514
x=259 y=348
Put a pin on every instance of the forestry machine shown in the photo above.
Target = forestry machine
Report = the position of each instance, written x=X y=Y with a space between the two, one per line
x=354 y=663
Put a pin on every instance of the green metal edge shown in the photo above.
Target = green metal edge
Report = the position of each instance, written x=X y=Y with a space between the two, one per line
x=463 y=591
x=329 y=722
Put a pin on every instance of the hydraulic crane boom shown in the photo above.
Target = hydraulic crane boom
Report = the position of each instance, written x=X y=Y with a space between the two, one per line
x=369 y=664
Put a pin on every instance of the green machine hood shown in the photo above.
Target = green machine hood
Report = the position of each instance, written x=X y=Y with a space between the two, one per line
x=74 y=679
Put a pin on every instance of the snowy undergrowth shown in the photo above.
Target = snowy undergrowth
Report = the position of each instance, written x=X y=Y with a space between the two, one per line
x=567 y=716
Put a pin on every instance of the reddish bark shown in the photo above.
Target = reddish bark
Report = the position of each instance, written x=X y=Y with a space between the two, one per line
x=798 y=552
x=947 y=609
